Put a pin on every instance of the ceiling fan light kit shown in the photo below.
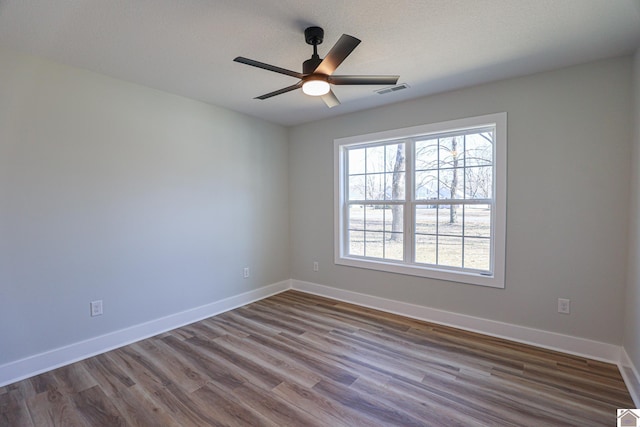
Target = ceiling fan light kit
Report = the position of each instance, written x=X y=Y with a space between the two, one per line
x=316 y=86
x=317 y=73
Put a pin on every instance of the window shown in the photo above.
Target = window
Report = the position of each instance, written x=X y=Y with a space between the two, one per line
x=427 y=201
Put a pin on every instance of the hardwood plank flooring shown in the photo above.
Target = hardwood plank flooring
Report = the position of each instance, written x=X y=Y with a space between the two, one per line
x=296 y=359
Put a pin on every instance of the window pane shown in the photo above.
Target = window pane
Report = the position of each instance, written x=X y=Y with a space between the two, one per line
x=373 y=244
x=395 y=158
x=356 y=161
x=426 y=220
x=478 y=182
x=477 y=220
x=450 y=251
x=425 y=249
x=451 y=149
x=374 y=218
x=356 y=217
x=451 y=183
x=394 y=246
x=450 y=218
x=356 y=187
x=394 y=184
x=479 y=149
x=383 y=231
x=426 y=184
x=375 y=187
x=356 y=243
x=375 y=159
x=426 y=154
x=393 y=218
x=477 y=253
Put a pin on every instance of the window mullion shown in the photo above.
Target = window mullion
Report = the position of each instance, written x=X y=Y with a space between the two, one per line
x=343 y=160
x=409 y=194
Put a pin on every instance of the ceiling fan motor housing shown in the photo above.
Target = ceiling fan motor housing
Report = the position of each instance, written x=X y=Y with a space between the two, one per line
x=309 y=66
x=314 y=35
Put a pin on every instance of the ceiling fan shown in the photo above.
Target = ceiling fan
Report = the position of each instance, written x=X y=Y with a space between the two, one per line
x=317 y=73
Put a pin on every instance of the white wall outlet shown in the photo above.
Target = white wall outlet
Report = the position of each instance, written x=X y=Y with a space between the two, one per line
x=245 y=272
x=564 y=305
x=316 y=267
x=96 y=308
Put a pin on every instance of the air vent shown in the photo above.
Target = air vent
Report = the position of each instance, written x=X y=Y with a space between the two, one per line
x=395 y=88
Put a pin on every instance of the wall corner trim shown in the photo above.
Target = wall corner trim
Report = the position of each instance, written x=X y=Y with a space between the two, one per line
x=52 y=359
x=597 y=350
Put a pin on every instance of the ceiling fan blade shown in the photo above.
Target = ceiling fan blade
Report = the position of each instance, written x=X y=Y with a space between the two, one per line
x=330 y=99
x=343 y=47
x=363 y=80
x=280 y=91
x=268 y=67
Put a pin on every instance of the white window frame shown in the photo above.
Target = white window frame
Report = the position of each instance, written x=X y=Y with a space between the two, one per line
x=496 y=278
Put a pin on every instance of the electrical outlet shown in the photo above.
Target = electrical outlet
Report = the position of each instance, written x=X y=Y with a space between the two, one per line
x=96 y=308
x=564 y=306
x=245 y=272
x=316 y=267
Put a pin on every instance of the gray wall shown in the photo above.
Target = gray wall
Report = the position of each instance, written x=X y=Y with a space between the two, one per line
x=632 y=299
x=569 y=137
x=154 y=203
x=108 y=190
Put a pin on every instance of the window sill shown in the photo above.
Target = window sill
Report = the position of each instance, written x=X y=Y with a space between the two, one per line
x=493 y=281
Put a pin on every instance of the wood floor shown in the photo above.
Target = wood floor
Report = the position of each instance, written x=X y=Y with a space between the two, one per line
x=301 y=360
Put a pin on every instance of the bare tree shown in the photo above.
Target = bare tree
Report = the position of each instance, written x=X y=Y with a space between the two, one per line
x=479 y=178
x=453 y=187
x=447 y=153
x=441 y=161
x=396 y=182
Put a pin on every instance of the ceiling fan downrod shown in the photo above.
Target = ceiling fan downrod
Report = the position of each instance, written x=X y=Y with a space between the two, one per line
x=313 y=36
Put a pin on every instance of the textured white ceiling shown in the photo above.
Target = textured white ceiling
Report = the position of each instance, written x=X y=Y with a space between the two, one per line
x=186 y=47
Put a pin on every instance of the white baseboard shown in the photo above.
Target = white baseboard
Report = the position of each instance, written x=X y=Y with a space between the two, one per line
x=631 y=377
x=39 y=363
x=43 y=362
x=550 y=340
